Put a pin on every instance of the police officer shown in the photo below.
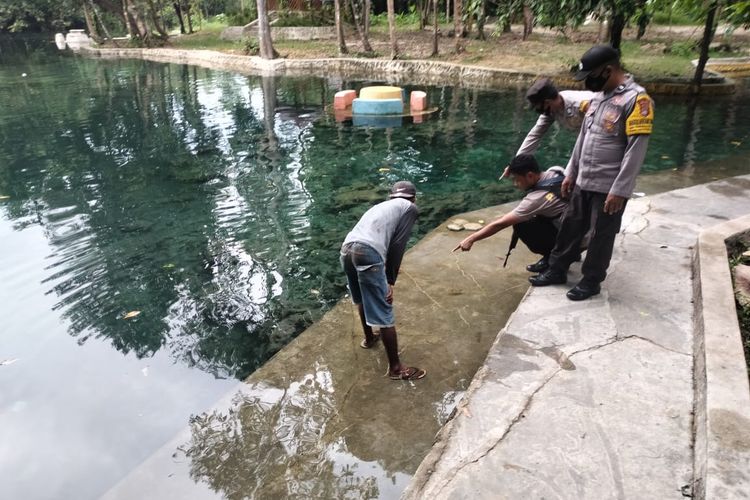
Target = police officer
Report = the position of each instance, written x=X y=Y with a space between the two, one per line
x=536 y=219
x=566 y=107
x=601 y=173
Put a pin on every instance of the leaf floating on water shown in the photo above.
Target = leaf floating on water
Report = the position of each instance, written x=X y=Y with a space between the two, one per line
x=168 y=266
x=384 y=169
x=8 y=361
x=314 y=291
x=735 y=143
x=131 y=314
x=664 y=157
x=4 y=197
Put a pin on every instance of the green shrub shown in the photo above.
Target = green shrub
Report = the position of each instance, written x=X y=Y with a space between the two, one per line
x=682 y=49
x=251 y=46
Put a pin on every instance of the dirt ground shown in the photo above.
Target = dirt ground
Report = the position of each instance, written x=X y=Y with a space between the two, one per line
x=545 y=52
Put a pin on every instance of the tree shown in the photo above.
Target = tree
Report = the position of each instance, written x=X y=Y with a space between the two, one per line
x=264 y=33
x=362 y=32
x=708 y=35
x=458 y=13
x=434 y=28
x=392 y=29
x=339 y=28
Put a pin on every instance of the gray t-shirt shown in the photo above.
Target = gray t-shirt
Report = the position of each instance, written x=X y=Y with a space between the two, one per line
x=386 y=227
x=540 y=202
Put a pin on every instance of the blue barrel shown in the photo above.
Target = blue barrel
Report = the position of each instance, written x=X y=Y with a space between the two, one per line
x=377 y=106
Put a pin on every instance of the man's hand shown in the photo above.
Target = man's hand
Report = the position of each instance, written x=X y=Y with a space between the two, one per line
x=613 y=204
x=567 y=187
x=465 y=245
x=389 y=294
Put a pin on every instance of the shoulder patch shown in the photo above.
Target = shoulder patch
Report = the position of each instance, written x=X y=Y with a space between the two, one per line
x=584 y=106
x=549 y=197
x=641 y=119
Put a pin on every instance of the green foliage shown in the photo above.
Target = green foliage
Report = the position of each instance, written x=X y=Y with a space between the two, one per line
x=313 y=18
x=738 y=13
x=687 y=48
x=251 y=46
x=39 y=15
x=405 y=19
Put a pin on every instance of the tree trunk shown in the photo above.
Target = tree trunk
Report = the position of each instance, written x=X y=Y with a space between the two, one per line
x=457 y=24
x=615 y=34
x=264 y=33
x=339 y=28
x=178 y=11
x=362 y=33
x=434 y=28
x=156 y=20
x=366 y=20
x=186 y=10
x=528 y=21
x=91 y=23
x=98 y=17
x=481 y=20
x=708 y=36
x=392 y=28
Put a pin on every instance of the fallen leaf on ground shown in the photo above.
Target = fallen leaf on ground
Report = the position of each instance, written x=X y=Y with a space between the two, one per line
x=131 y=314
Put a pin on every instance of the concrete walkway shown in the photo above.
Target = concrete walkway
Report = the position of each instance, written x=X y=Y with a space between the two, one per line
x=594 y=400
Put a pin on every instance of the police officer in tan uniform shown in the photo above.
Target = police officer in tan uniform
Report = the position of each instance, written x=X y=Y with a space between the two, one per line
x=601 y=173
x=566 y=107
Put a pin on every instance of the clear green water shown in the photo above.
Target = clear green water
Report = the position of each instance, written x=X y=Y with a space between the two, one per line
x=214 y=204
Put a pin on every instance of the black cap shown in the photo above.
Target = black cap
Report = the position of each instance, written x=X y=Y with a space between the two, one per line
x=403 y=189
x=595 y=57
x=540 y=90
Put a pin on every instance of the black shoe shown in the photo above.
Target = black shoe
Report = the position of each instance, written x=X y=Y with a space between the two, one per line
x=538 y=266
x=549 y=277
x=583 y=291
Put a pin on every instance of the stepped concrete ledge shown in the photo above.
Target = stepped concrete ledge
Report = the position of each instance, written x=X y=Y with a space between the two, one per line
x=623 y=395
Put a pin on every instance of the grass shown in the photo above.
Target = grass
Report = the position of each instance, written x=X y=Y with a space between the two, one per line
x=663 y=55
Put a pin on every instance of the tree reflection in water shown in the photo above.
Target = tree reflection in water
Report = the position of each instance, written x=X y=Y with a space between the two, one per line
x=273 y=443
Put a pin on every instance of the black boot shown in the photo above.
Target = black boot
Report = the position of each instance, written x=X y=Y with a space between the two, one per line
x=583 y=290
x=539 y=266
x=549 y=277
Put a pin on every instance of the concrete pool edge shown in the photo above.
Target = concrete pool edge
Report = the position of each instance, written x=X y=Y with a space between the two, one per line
x=474 y=453
x=416 y=71
x=722 y=410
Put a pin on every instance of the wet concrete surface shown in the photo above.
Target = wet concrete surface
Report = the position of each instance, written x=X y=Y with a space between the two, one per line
x=322 y=420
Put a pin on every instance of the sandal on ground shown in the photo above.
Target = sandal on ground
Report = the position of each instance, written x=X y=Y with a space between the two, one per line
x=369 y=345
x=411 y=373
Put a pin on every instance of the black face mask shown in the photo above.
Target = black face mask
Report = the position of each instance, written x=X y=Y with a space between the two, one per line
x=596 y=83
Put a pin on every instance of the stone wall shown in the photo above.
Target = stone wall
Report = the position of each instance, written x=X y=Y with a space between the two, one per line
x=286 y=33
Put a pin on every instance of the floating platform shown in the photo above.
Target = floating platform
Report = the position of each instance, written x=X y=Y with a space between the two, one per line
x=381 y=106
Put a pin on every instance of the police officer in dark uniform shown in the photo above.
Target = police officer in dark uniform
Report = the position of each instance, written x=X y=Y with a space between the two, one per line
x=601 y=173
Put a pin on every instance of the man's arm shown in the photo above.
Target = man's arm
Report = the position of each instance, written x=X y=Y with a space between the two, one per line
x=571 y=170
x=397 y=247
x=638 y=127
x=534 y=137
x=492 y=228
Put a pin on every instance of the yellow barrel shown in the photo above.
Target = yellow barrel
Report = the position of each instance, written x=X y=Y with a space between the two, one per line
x=381 y=92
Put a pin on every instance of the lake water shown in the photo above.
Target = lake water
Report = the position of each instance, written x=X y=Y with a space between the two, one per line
x=209 y=207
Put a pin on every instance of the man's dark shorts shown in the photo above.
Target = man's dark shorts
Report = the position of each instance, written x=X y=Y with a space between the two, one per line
x=365 y=274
